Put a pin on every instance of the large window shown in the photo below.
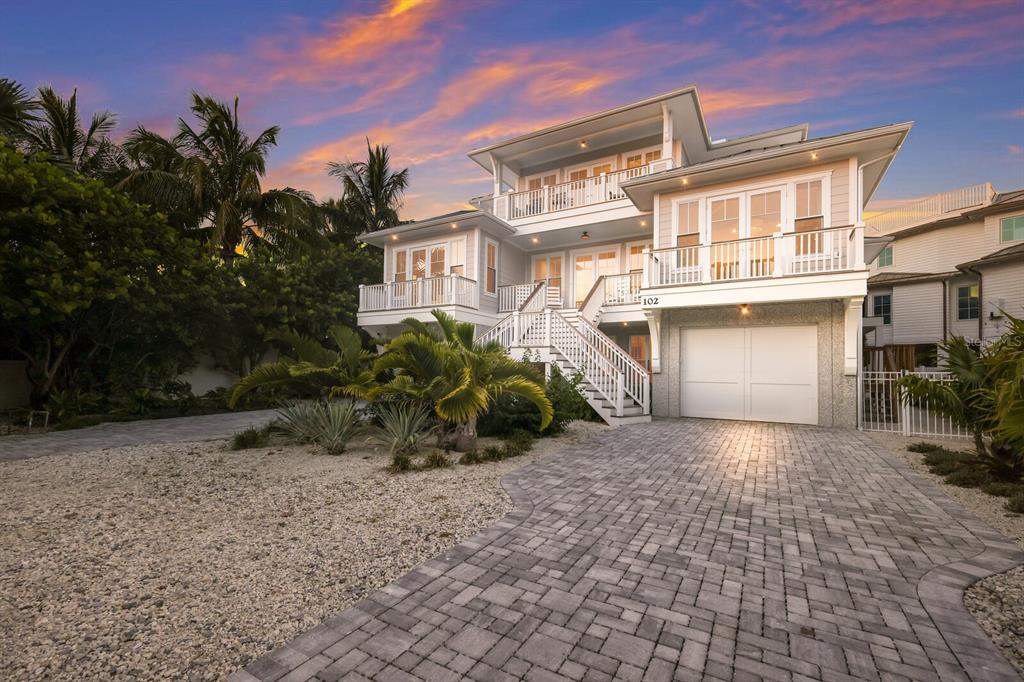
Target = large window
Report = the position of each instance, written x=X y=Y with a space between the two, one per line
x=809 y=214
x=491 y=265
x=401 y=273
x=437 y=258
x=688 y=217
x=636 y=256
x=1012 y=229
x=882 y=307
x=541 y=181
x=458 y=258
x=725 y=219
x=765 y=213
x=641 y=158
x=968 y=305
x=885 y=257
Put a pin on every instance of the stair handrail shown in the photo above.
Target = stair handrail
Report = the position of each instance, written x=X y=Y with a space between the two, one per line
x=495 y=332
x=586 y=358
x=636 y=378
x=539 y=294
x=592 y=303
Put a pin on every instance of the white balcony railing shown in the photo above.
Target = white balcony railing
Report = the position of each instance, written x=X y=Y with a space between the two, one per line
x=418 y=293
x=511 y=297
x=586 y=192
x=921 y=210
x=623 y=289
x=820 y=251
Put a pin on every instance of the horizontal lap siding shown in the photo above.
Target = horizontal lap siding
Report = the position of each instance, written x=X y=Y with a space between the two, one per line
x=1002 y=284
x=917 y=313
x=391 y=248
x=939 y=250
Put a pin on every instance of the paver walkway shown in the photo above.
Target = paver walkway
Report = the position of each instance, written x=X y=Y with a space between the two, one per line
x=686 y=549
x=120 y=434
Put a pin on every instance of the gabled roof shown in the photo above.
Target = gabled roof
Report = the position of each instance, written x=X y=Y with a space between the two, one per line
x=1010 y=253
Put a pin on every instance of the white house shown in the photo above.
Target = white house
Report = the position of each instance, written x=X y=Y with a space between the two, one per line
x=954 y=266
x=682 y=276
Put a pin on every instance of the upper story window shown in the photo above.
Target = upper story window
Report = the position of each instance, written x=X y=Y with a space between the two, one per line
x=601 y=169
x=882 y=307
x=541 y=181
x=491 y=266
x=885 y=257
x=1012 y=229
x=580 y=174
x=636 y=255
x=401 y=274
x=765 y=213
x=641 y=158
x=458 y=258
x=968 y=304
x=809 y=214
x=725 y=219
x=689 y=224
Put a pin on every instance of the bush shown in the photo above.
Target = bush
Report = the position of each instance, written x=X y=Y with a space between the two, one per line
x=519 y=442
x=299 y=421
x=510 y=413
x=923 y=447
x=403 y=430
x=943 y=462
x=1016 y=504
x=492 y=453
x=336 y=424
x=251 y=437
x=470 y=457
x=969 y=477
x=436 y=459
x=1002 y=462
x=1003 y=489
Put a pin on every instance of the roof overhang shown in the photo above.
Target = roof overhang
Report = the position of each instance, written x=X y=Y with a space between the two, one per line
x=1014 y=254
x=885 y=279
x=873 y=148
x=873 y=246
x=446 y=224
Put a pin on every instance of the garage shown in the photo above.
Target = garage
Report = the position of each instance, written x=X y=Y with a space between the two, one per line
x=751 y=373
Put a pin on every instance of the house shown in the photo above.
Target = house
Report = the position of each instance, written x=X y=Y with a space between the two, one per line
x=954 y=266
x=681 y=275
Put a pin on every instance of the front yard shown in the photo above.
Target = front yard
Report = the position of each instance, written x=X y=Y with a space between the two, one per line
x=186 y=561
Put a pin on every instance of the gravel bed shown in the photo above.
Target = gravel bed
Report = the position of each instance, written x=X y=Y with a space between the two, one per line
x=996 y=602
x=185 y=561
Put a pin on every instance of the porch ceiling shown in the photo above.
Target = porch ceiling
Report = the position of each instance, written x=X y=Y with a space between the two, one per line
x=623 y=229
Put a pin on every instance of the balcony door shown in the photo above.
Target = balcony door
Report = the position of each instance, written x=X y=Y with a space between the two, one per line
x=740 y=233
x=549 y=269
x=428 y=263
x=587 y=267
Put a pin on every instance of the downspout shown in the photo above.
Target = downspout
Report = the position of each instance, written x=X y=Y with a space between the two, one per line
x=945 y=309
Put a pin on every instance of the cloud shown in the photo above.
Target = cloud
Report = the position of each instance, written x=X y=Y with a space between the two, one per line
x=1015 y=150
x=1013 y=114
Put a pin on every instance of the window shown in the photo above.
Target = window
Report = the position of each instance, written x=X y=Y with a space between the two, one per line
x=634 y=160
x=578 y=175
x=458 y=254
x=926 y=355
x=637 y=159
x=541 y=181
x=885 y=257
x=640 y=349
x=419 y=263
x=1012 y=229
x=600 y=169
x=401 y=273
x=491 y=267
x=809 y=214
x=652 y=156
x=882 y=307
x=968 y=306
x=636 y=256
x=725 y=219
x=765 y=213
x=689 y=224
x=437 y=254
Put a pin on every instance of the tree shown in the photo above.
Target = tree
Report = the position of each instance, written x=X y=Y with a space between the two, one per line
x=17 y=109
x=372 y=193
x=59 y=133
x=329 y=372
x=89 y=279
x=209 y=178
x=455 y=375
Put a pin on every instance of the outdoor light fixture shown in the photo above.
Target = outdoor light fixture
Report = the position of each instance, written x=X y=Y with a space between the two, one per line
x=583 y=144
x=394 y=237
x=585 y=236
x=685 y=181
x=744 y=309
x=455 y=226
x=814 y=155
x=643 y=223
x=535 y=240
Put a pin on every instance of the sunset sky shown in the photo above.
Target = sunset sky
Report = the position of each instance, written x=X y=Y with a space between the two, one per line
x=436 y=78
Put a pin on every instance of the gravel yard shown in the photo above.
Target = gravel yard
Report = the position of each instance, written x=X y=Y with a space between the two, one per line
x=187 y=560
x=996 y=602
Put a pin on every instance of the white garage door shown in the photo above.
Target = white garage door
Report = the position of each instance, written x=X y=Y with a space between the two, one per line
x=755 y=373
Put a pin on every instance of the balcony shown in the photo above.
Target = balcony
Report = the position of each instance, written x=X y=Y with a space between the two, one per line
x=780 y=255
x=566 y=195
x=428 y=292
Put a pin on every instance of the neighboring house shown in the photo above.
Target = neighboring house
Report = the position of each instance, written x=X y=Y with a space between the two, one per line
x=954 y=267
x=682 y=276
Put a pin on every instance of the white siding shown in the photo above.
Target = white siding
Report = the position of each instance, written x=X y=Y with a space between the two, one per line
x=1002 y=286
x=958 y=327
x=391 y=247
x=917 y=312
x=939 y=250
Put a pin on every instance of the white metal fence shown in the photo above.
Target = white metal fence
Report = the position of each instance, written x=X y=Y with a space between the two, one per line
x=886 y=407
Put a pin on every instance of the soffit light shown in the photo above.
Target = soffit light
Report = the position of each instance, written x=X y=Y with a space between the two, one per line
x=814 y=155
x=643 y=223
x=583 y=144
x=455 y=226
x=535 y=240
x=394 y=237
x=744 y=309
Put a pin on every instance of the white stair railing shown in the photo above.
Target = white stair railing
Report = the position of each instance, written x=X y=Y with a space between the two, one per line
x=585 y=358
x=636 y=379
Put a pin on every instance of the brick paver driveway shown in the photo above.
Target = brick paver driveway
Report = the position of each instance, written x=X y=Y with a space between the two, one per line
x=686 y=550
x=120 y=434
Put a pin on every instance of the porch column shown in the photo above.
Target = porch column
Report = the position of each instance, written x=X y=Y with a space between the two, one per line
x=654 y=324
x=851 y=336
x=666 y=133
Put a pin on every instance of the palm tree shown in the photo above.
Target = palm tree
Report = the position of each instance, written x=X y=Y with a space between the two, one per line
x=17 y=109
x=209 y=176
x=331 y=373
x=372 y=193
x=58 y=132
x=456 y=376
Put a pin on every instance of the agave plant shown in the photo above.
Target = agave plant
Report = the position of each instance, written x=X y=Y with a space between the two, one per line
x=336 y=424
x=330 y=373
x=404 y=427
x=300 y=421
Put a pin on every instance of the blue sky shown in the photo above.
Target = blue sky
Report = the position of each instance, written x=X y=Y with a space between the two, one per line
x=435 y=78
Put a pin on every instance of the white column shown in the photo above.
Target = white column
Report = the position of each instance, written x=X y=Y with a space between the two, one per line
x=851 y=336
x=654 y=324
x=666 y=132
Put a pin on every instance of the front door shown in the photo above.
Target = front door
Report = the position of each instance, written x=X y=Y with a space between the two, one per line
x=587 y=267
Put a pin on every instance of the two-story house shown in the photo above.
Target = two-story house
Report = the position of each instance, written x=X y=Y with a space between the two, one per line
x=954 y=266
x=681 y=275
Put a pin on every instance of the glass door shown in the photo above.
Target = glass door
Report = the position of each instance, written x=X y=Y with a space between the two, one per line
x=549 y=269
x=765 y=221
x=724 y=233
x=587 y=267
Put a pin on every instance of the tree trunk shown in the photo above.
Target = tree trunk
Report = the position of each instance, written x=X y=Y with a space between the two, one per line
x=466 y=438
x=979 y=443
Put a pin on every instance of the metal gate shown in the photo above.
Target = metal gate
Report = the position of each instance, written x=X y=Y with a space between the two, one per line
x=886 y=407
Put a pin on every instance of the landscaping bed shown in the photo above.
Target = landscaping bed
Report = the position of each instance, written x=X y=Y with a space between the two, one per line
x=187 y=560
x=996 y=602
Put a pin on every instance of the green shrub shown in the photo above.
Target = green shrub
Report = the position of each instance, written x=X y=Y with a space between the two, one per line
x=252 y=437
x=336 y=424
x=1016 y=504
x=969 y=477
x=403 y=428
x=1003 y=489
x=470 y=457
x=492 y=453
x=436 y=459
x=510 y=412
x=300 y=421
x=519 y=442
x=923 y=447
x=1003 y=462
x=943 y=462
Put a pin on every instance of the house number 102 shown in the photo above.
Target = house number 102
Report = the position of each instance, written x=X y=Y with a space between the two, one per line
x=649 y=300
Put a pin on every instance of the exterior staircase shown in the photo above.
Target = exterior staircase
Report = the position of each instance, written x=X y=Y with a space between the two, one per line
x=614 y=384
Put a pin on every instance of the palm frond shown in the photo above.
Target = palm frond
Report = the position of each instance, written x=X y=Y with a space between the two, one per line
x=269 y=374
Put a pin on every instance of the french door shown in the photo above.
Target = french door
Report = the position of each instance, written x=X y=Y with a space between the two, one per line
x=428 y=262
x=740 y=233
x=549 y=269
x=587 y=267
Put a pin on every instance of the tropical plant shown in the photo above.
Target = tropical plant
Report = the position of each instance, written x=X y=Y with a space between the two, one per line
x=403 y=429
x=17 y=109
x=300 y=421
x=209 y=176
x=457 y=377
x=510 y=413
x=328 y=372
x=252 y=437
x=70 y=402
x=371 y=191
x=337 y=423
x=58 y=132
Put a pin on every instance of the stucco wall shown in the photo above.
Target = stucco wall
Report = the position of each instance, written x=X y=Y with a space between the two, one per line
x=837 y=393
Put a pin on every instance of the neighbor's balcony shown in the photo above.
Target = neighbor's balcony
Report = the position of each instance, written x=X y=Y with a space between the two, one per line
x=780 y=255
x=567 y=195
x=418 y=293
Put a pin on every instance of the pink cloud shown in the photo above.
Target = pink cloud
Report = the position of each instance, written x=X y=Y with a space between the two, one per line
x=1015 y=150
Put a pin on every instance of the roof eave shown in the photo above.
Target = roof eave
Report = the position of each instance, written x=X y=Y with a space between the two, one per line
x=470 y=220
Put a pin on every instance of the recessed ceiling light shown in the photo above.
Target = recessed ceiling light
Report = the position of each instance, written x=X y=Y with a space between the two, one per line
x=455 y=226
x=535 y=240
x=643 y=223
x=394 y=237
x=685 y=181
x=744 y=309
x=583 y=144
x=814 y=155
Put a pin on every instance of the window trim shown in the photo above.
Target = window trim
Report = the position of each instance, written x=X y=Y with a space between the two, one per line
x=874 y=307
x=526 y=179
x=408 y=248
x=497 y=261
x=642 y=152
x=1002 y=228
x=969 y=297
x=587 y=166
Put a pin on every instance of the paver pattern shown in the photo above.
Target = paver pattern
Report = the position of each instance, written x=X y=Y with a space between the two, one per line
x=121 y=434
x=686 y=550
